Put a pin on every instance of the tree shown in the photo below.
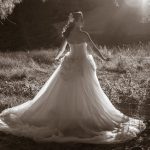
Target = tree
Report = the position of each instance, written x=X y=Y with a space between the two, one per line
x=7 y=6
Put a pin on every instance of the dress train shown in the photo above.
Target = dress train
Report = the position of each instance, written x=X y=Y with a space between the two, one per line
x=71 y=107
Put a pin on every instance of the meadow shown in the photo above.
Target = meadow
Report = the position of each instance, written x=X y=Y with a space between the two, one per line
x=125 y=79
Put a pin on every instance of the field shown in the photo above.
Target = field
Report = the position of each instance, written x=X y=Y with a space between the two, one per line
x=125 y=79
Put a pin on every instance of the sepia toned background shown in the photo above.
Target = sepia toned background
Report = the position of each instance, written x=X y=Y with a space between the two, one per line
x=37 y=23
x=30 y=38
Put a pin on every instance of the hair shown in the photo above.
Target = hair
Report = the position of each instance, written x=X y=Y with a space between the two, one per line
x=70 y=24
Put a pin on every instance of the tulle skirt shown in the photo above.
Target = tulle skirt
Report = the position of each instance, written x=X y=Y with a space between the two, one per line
x=71 y=107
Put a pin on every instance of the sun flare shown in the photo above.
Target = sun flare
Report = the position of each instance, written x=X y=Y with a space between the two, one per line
x=142 y=7
x=137 y=3
x=145 y=3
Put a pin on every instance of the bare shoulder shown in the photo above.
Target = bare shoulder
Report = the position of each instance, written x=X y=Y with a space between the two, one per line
x=85 y=35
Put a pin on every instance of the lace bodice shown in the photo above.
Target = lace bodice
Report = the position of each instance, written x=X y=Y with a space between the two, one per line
x=78 y=50
x=76 y=61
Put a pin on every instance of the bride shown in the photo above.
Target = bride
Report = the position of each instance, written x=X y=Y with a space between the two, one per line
x=71 y=106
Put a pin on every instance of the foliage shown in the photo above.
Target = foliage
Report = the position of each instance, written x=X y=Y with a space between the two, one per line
x=23 y=74
x=7 y=6
x=29 y=27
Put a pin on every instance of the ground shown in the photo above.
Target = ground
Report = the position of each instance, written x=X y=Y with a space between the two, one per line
x=125 y=79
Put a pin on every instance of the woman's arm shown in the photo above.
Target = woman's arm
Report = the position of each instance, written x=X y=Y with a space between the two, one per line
x=62 y=49
x=93 y=46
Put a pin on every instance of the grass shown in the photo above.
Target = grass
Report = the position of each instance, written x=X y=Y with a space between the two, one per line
x=125 y=79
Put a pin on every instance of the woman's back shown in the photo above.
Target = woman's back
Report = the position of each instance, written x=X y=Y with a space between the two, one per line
x=76 y=36
x=77 y=43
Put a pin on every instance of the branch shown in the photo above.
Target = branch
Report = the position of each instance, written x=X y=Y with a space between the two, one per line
x=7 y=7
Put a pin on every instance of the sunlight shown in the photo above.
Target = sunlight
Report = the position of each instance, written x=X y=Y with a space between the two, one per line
x=133 y=3
x=137 y=3
x=145 y=11
x=142 y=7
x=144 y=2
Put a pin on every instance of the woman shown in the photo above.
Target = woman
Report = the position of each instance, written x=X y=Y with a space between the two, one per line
x=71 y=106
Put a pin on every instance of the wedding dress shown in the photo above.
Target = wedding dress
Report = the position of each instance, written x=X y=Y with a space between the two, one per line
x=71 y=107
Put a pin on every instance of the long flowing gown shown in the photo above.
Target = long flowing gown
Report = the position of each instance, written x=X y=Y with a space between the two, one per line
x=71 y=107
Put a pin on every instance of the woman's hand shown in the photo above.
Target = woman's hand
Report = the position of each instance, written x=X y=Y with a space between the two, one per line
x=62 y=49
x=107 y=59
x=57 y=59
